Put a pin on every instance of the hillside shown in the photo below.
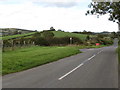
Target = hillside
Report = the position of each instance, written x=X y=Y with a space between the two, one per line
x=17 y=36
x=64 y=34
x=56 y=33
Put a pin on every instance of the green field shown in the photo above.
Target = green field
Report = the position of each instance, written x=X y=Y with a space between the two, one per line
x=16 y=36
x=56 y=33
x=64 y=34
x=25 y=58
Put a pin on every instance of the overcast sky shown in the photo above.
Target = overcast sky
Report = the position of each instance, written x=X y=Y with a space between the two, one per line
x=67 y=15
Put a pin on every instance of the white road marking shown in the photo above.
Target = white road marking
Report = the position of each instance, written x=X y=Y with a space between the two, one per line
x=99 y=52
x=79 y=66
x=91 y=57
x=71 y=71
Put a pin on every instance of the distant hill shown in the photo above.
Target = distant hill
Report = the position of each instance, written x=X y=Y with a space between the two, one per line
x=26 y=35
x=56 y=33
x=13 y=31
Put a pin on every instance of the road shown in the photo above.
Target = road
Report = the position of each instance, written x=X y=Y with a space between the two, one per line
x=94 y=68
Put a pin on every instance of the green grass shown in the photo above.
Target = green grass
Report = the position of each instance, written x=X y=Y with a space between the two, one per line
x=56 y=33
x=64 y=34
x=25 y=58
x=16 y=36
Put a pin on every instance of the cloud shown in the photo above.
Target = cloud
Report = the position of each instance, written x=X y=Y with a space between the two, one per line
x=6 y=2
x=57 y=4
x=47 y=3
x=60 y=3
x=36 y=17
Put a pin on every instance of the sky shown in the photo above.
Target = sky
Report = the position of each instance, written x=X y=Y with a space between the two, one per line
x=67 y=15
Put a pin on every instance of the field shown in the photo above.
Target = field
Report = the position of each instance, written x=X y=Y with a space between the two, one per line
x=16 y=36
x=64 y=34
x=25 y=58
x=56 y=33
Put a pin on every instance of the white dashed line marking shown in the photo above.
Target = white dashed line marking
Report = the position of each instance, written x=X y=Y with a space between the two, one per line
x=78 y=66
x=91 y=57
x=71 y=71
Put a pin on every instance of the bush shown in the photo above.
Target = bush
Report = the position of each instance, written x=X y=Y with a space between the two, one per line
x=40 y=41
x=77 y=40
x=7 y=43
x=106 y=41
x=119 y=41
x=56 y=41
x=47 y=34
x=64 y=41
x=37 y=34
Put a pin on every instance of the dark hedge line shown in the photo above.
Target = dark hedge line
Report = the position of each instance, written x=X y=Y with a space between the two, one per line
x=41 y=41
x=56 y=41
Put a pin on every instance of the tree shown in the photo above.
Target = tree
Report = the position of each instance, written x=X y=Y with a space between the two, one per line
x=88 y=37
x=59 y=30
x=47 y=34
x=118 y=33
x=52 y=29
x=100 y=36
x=84 y=32
x=37 y=34
x=113 y=35
x=15 y=32
x=102 y=8
x=40 y=41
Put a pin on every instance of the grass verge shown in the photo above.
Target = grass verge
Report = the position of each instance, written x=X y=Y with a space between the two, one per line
x=25 y=58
